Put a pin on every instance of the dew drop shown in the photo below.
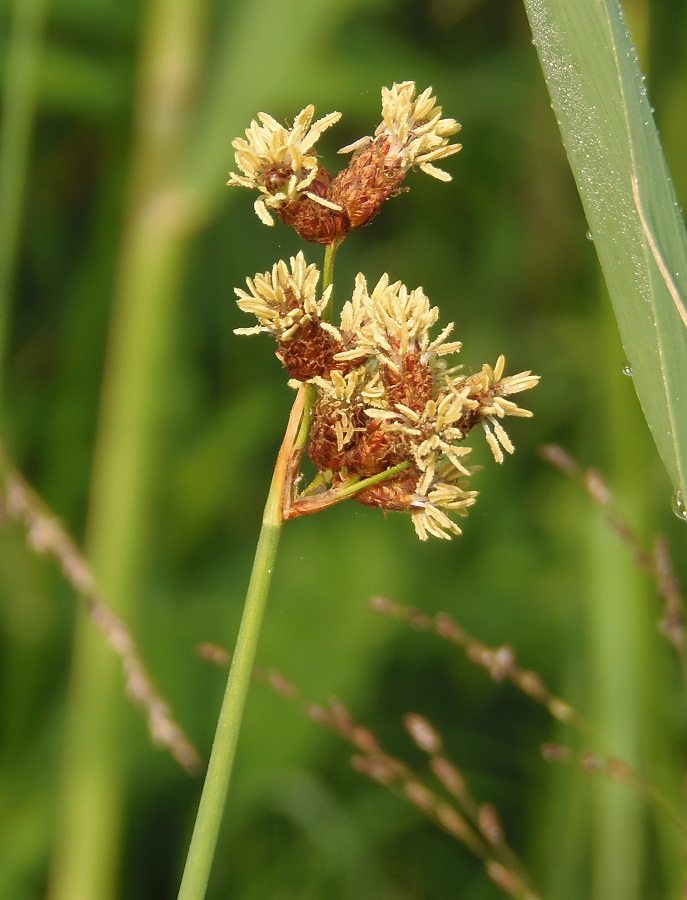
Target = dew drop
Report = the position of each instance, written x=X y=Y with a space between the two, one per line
x=679 y=506
x=627 y=370
x=589 y=236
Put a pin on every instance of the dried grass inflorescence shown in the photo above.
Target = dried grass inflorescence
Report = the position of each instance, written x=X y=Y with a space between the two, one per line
x=440 y=793
x=47 y=536
x=389 y=414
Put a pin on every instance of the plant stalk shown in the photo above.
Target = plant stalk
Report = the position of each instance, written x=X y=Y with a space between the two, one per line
x=21 y=74
x=88 y=819
x=213 y=798
x=209 y=817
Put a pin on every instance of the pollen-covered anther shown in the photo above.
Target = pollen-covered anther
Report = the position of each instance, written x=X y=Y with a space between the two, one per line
x=280 y=162
x=432 y=504
x=411 y=133
x=283 y=299
x=497 y=439
x=392 y=323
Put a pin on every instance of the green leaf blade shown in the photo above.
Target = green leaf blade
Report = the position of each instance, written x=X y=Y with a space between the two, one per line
x=601 y=104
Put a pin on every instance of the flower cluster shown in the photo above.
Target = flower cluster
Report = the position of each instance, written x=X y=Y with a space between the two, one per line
x=281 y=164
x=385 y=397
x=389 y=415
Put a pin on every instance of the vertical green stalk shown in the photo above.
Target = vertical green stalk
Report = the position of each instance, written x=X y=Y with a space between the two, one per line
x=211 y=808
x=618 y=632
x=18 y=105
x=213 y=798
x=88 y=820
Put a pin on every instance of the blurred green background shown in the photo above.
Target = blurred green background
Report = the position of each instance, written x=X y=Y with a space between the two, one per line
x=151 y=430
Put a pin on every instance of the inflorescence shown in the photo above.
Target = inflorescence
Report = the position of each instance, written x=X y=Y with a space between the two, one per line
x=385 y=397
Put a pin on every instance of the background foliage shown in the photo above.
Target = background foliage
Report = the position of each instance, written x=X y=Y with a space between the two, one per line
x=502 y=251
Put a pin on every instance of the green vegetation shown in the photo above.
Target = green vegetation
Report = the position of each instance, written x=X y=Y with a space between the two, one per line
x=151 y=430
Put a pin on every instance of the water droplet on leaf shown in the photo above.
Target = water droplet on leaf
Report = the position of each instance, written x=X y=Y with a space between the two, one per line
x=679 y=506
x=627 y=370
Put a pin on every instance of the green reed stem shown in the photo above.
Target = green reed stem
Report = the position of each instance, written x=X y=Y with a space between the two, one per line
x=19 y=103
x=213 y=798
x=211 y=808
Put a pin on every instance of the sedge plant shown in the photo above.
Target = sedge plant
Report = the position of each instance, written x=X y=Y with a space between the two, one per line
x=380 y=410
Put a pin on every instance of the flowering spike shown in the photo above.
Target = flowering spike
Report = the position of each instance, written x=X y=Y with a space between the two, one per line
x=390 y=417
x=280 y=163
x=411 y=133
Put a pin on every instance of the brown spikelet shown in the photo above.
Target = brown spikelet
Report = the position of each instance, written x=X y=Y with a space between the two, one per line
x=372 y=452
x=413 y=386
x=370 y=178
x=323 y=449
x=393 y=494
x=309 y=352
x=314 y=222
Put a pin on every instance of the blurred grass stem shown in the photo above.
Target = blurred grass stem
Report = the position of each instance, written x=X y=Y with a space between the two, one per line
x=22 y=69
x=151 y=260
x=213 y=798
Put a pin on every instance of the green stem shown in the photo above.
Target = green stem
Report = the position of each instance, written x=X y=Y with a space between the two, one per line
x=328 y=268
x=22 y=70
x=328 y=274
x=354 y=487
x=210 y=810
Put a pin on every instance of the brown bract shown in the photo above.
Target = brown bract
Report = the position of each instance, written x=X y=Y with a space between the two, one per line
x=309 y=352
x=371 y=178
x=394 y=494
x=315 y=222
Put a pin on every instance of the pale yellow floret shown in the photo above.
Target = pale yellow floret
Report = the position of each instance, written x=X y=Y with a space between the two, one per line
x=391 y=322
x=283 y=299
x=413 y=127
x=271 y=148
x=432 y=501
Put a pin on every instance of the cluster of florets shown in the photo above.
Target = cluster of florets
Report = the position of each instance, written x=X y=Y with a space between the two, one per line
x=385 y=394
x=386 y=399
x=281 y=164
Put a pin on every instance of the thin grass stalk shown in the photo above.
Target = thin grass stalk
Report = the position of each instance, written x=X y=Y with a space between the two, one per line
x=210 y=811
x=151 y=259
x=22 y=69
x=213 y=798
x=613 y=597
